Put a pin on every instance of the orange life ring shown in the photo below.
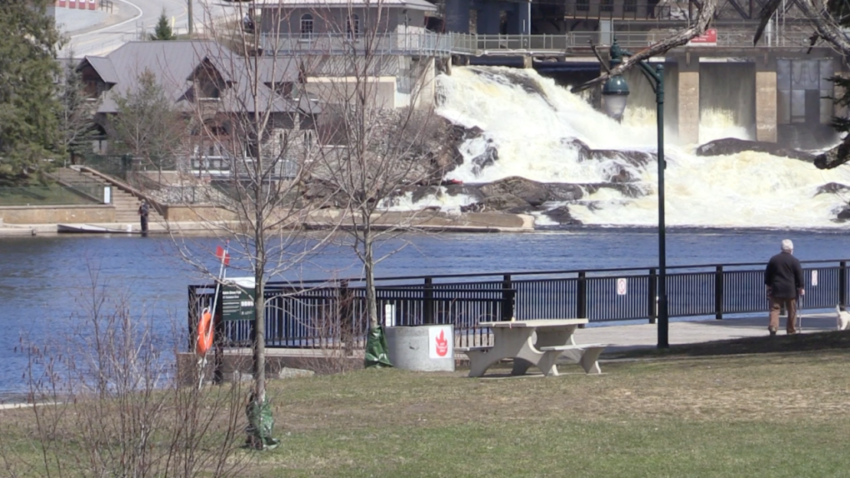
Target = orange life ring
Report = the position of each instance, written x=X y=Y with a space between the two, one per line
x=205 y=333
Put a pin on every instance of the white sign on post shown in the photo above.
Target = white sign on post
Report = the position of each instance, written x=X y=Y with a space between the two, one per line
x=440 y=342
x=814 y=278
x=622 y=286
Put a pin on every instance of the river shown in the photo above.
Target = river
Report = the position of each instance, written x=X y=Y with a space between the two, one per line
x=44 y=281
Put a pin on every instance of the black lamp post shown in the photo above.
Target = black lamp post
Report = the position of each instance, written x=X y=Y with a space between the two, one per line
x=615 y=93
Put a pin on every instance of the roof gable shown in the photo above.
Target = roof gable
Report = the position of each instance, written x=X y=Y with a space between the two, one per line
x=175 y=63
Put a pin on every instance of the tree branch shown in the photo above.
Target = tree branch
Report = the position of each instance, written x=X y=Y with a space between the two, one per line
x=706 y=13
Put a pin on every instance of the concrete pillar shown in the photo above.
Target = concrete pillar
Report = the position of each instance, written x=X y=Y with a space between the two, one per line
x=457 y=16
x=839 y=92
x=527 y=62
x=766 y=106
x=524 y=11
x=428 y=90
x=688 y=106
x=489 y=19
x=515 y=16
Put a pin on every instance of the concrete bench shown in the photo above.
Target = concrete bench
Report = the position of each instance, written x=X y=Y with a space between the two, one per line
x=586 y=355
x=474 y=353
x=482 y=348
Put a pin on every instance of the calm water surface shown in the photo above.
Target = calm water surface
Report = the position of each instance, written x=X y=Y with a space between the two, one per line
x=44 y=279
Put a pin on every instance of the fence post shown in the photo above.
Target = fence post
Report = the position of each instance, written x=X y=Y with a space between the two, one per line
x=718 y=293
x=581 y=296
x=653 y=293
x=507 y=298
x=428 y=306
x=346 y=322
x=220 y=339
x=192 y=319
x=842 y=283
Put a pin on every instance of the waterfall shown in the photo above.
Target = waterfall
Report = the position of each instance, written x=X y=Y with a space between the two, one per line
x=533 y=124
x=727 y=101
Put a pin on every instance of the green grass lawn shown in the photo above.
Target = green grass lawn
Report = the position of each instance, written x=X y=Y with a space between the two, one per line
x=691 y=412
x=765 y=414
x=51 y=195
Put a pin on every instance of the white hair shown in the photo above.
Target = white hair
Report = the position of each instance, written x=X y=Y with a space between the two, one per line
x=787 y=246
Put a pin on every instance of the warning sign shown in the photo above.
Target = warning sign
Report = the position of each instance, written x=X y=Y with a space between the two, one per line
x=814 y=278
x=622 y=286
x=440 y=342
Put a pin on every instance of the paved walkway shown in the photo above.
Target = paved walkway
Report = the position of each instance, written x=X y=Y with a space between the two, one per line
x=639 y=335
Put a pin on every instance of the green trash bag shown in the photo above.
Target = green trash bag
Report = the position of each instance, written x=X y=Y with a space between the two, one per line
x=376 y=349
x=260 y=425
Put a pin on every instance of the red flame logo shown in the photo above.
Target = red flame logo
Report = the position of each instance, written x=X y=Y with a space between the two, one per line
x=442 y=345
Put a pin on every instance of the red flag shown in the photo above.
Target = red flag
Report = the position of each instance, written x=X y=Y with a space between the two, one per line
x=222 y=255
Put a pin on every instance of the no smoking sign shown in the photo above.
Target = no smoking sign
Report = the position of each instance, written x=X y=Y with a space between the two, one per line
x=622 y=286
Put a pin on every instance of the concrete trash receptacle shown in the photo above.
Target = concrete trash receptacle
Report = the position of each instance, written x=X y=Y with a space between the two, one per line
x=424 y=348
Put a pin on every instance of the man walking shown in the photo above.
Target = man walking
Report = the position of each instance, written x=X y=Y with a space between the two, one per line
x=783 y=279
x=143 y=216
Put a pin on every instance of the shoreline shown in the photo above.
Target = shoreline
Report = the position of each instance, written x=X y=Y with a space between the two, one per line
x=485 y=223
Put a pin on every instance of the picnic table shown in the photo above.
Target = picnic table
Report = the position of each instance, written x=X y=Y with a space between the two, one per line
x=533 y=342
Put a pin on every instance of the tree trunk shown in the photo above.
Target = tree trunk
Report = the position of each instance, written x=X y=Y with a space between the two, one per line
x=369 y=266
x=259 y=368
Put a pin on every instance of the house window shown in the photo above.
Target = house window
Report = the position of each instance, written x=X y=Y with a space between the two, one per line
x=582 y=5
x=630 y=6
x=606 y=6
x=306 y=26
x=353 y=26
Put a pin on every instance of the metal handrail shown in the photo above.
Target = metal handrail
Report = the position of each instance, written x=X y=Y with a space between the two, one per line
x=602 y=295
x=500 y=274
x=445 y=44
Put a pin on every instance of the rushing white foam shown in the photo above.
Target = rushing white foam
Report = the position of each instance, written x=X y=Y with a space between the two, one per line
x=718 y=124
x=531 y=121
x=442 y=200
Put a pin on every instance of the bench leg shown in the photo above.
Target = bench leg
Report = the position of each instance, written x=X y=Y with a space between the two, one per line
x=589 y=360
x=480 y=361
x=520 y=366
x=547 y=363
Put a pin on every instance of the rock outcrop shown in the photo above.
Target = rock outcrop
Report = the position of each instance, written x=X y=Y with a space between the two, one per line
x=834 y=157
x=727 y=146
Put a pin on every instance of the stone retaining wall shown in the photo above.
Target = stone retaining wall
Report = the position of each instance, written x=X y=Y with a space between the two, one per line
x=57 y=214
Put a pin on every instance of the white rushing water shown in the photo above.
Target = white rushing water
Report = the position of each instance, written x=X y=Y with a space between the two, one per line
x=531 y=121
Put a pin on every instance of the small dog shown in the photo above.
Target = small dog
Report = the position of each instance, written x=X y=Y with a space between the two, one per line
x=842 y=318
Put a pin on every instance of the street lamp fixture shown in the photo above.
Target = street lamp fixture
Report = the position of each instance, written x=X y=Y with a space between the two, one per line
x=615 y=93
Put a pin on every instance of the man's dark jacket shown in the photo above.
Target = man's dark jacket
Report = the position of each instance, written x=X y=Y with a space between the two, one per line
x=784 y=275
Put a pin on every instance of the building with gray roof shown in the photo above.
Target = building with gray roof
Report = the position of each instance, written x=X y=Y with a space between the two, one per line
x=211 y=87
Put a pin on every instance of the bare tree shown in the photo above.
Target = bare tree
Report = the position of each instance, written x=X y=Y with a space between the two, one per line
x=252 y=114
x=373 y=149
x=104 y=401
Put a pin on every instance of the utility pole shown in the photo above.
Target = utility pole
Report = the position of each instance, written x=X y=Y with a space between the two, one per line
x=191 y=27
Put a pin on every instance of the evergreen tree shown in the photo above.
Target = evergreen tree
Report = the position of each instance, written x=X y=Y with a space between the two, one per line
x=76 y=114
x=28 y=102
x=147 y=126
x=162 y=31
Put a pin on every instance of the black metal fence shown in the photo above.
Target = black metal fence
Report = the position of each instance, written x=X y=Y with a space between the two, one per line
x=316 y=314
